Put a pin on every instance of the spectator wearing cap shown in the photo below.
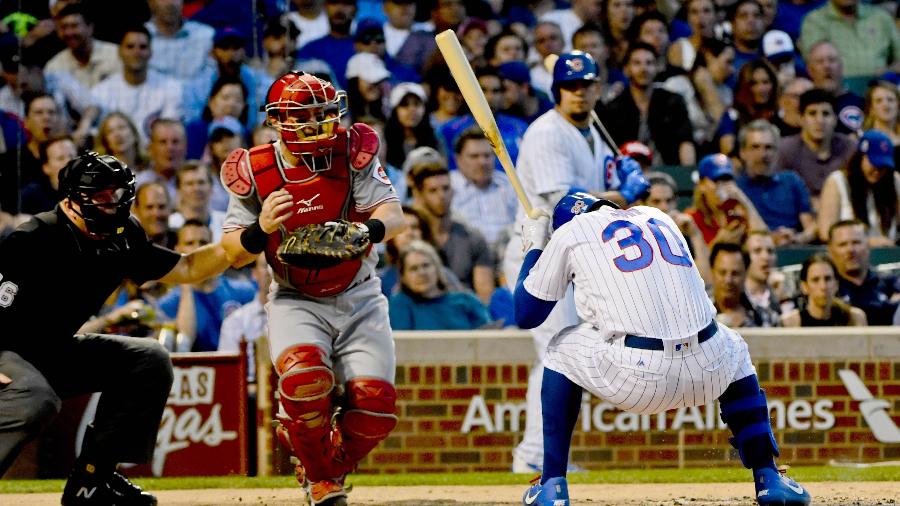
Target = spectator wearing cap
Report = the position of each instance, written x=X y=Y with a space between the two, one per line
x=369 y=38
x=227 y=103
x=778 y=49
x=405 y=42
x=569 y=20
x=511 y=129
x=827 y=72
x=407 y=127
x=789 y=118
x=780 y=197
x=865 y=36
x=402 y=178
x=520 y=99
x=866 y=189
x=180 y=47
x=139 y=91
x=225 y=136
x=641 y=153
x=230 y=58
x=746 y=18
x=663 y=114
x=367 y=86
x=721 y=211
x=310 y=19
x=87 y=59
x=817 y=150
x=482 y=196
x=336 y=48
x=548 y=39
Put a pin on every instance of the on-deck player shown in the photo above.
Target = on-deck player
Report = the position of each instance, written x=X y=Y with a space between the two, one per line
x=649 y=341
x=562 y=151
x=329 y=332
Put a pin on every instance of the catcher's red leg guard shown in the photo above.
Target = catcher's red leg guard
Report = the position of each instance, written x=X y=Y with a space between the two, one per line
x=305 y=385
x=369 y=417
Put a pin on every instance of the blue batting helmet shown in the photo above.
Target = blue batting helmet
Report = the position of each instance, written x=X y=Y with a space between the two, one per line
x=574 y=203
x=573 y=66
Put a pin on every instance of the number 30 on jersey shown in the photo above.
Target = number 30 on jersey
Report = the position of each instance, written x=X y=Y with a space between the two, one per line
x=636 y=239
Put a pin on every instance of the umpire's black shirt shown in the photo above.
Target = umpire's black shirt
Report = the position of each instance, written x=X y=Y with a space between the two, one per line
x=54 y=278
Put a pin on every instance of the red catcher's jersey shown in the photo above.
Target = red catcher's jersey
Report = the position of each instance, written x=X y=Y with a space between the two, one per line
x=318 y=197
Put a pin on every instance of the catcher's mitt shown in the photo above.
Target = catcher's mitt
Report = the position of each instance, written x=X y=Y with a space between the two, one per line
x=322 y=245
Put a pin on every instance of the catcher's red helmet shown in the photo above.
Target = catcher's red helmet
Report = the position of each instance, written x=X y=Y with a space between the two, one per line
x=306 y=111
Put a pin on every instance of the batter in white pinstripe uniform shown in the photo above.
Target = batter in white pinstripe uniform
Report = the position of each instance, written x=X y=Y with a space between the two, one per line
x=648 y=341
x=562 y=151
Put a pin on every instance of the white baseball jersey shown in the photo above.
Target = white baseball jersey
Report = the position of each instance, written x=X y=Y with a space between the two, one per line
x=555 y=156
x=632 y=270
x=633 y=274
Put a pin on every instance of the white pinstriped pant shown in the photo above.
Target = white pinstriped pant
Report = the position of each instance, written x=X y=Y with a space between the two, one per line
x=650 y=381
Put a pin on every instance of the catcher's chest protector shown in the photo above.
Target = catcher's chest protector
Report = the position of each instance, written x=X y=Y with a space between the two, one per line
x=318 y=197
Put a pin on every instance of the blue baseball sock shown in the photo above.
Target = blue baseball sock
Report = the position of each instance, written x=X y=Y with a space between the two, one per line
x=745 y=410
x=560 y=401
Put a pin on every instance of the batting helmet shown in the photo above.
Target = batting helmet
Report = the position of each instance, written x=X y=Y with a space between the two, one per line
x=575 y=203
x=103 y=188
x=573 y=66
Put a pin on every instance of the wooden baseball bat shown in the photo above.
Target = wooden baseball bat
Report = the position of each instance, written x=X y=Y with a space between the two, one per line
x=474 y=97
x=549 y=63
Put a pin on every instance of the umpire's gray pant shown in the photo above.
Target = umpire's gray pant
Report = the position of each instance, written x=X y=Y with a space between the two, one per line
x=133 y=375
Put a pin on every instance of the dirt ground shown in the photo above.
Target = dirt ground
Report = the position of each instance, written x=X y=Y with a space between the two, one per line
x=699 y=494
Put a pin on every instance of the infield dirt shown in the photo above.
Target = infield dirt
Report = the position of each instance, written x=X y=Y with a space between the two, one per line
x=697 y=494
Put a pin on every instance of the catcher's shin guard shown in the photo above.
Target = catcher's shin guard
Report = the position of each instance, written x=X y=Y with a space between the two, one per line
x=369 y=417
x=306 y=384
x=744 y=409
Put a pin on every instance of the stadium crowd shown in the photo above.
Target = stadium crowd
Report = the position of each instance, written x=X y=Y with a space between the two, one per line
x=788 y=111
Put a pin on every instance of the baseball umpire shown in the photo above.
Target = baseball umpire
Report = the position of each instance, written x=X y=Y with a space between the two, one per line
x=315 y=201
x=649 y=342
x=57 y=270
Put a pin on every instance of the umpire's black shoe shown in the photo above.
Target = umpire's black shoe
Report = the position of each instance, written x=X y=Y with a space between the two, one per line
x=83 y=489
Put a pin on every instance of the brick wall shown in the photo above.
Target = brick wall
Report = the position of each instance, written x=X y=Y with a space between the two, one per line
x=434 y=401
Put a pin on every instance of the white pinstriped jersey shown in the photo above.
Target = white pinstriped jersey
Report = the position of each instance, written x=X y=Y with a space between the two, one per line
x=554 y=156
x=632 y=270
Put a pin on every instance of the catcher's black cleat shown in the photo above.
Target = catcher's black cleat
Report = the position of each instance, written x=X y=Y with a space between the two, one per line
x=83 y=489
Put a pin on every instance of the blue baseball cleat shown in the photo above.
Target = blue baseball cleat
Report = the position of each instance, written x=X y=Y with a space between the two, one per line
x=774 y=488
x=553 y=493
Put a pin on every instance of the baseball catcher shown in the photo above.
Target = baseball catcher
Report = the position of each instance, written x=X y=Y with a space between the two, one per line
x=315 y=201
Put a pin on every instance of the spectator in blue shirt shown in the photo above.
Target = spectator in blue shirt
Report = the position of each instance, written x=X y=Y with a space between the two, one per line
x=336 y=48
x=781 y=198
x=746 y=18
x=424 y=303
x=199 y=310
x=511 y=129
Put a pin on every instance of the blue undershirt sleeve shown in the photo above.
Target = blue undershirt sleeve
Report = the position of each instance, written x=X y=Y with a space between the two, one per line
x=530 y=311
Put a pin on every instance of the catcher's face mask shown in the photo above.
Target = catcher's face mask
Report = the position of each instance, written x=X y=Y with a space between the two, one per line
x=306 y=114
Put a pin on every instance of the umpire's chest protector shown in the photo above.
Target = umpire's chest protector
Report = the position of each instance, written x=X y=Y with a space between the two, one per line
x=318 y=197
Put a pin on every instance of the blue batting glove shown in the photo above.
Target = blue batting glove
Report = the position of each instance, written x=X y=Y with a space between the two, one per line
x=626 y=165
x=635 y=187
